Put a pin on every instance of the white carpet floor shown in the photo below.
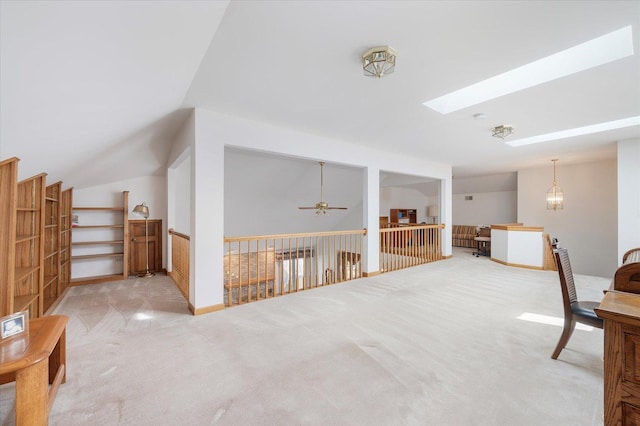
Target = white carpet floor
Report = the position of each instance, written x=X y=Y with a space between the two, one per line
x=438 y=344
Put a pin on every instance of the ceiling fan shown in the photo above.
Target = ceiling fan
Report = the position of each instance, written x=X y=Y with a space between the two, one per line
x=322 y=206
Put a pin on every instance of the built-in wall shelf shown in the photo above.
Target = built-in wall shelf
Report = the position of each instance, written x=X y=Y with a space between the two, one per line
x=31 y=229
x=90 y=243
x=97 y=226
x=95 y=279
x=22 y=303
x=52 y=288
x=95 y=209
x=96 y=256
x=100 y=233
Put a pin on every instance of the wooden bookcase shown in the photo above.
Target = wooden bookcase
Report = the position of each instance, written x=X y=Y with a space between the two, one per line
x=102 y=233
x=8 y=200
x=51 y=264
x=31 y=242
x=65 y=239
x=29 y=246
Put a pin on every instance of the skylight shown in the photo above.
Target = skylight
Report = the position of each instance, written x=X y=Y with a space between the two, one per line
x=563 y=134
x=604 y=49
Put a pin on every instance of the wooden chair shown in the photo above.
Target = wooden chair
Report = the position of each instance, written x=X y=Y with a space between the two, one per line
x=574 y=311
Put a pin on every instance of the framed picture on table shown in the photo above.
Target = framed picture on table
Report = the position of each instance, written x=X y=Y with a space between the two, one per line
x=14 y=325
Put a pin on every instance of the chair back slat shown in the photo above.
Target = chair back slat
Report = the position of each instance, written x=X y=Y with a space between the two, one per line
x=566 y=276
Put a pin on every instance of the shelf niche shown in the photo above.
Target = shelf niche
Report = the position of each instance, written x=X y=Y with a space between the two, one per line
x=100 y=236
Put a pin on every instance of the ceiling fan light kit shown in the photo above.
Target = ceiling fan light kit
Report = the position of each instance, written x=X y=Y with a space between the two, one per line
x=322 y=206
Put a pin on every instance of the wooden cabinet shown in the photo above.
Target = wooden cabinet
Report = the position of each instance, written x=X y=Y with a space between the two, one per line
x=621 y=314
x=403 y=216
x=138 y=246
x=99 y=238
x=384 y=222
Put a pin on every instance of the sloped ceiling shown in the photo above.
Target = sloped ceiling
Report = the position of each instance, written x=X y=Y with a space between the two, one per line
x=92 y=92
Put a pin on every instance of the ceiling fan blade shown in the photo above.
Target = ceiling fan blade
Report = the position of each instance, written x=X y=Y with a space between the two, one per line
x=336 y=208
x=307 y=208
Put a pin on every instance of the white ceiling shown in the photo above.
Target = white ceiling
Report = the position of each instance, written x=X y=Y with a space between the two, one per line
x=88 y=89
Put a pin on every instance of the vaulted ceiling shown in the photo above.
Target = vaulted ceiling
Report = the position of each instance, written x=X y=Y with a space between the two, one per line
x=94 y=91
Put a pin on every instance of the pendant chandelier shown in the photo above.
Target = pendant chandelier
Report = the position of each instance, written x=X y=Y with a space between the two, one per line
x=555 y=196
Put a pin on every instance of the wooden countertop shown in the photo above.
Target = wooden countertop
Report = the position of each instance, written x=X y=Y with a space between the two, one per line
x=518 y=228
x=620 y=306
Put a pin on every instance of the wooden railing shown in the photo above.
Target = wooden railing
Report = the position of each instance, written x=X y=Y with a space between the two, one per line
x=180 y=261
x=405 y=245
x=261 y=267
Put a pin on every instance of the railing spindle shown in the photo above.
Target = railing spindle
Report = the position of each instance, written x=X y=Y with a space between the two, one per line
x=403 y=245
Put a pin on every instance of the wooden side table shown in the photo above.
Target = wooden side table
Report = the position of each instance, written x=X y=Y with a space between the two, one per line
x=34 y=360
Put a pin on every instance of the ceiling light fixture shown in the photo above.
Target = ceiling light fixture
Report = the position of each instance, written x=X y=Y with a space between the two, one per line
x=379 y=61
x=585 y=130
x=598 y=51
x=502 y=131
x=555 y=196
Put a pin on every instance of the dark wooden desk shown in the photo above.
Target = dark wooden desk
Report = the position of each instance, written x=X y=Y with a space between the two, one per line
x=34 y=360
x=621 y=314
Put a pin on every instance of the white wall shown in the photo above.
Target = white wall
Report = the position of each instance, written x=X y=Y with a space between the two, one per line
x=178 y=200
x=214 y=131
x=587 y=226
x=148 y=189
x=182 y=198
x=207 y=214
x=263 y=193
x=179 y=182
x=242 y=133
x=628 y=196
x=486 y=208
